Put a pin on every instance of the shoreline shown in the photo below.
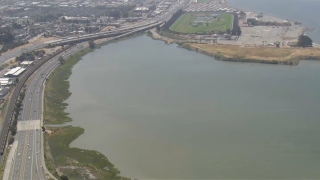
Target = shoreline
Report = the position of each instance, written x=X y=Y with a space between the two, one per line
x=75 y=132
x=292 y=56
x=60 y=158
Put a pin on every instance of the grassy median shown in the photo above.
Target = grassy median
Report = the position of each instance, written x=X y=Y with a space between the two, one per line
x=59 y=156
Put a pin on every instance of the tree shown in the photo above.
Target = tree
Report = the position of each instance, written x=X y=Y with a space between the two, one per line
x=64 y=177
x=13 y=130
x=92 y=45
x=11 y=140
x=236 y=31
x=304 y=41
x=61 y=59
x=158 y=28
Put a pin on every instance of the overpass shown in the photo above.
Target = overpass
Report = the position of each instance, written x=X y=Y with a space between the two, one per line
x=112 y=33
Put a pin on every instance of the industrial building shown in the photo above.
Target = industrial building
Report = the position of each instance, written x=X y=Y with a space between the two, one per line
x=4 y=82
x=26 y=63
x=141 y=9
x=15 y=72
x=76 y=19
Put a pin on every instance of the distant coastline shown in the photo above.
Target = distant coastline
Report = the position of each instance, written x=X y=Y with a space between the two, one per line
x=266 y=55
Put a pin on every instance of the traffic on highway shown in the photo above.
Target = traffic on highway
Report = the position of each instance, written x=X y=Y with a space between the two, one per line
x=26 y=156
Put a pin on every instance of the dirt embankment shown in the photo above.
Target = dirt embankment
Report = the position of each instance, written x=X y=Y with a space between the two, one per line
x=268 y=55
x=154 y=35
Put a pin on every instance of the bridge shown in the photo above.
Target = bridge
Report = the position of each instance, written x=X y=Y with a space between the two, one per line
x=111 y=33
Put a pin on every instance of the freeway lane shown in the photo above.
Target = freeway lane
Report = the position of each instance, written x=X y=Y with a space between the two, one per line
x=28 y=156
x=27 y=161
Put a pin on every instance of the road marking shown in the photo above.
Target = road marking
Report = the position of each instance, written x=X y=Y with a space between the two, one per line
x=32 y=125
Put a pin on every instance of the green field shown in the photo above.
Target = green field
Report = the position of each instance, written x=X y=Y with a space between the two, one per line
x=185 y=24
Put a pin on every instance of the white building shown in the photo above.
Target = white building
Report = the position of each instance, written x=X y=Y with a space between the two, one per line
x=14 y=72
x=5 y=82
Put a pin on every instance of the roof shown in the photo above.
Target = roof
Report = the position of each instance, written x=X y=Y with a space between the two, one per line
x=12 y=71
x=19 y=72
x=5 y=81
x=26 y=62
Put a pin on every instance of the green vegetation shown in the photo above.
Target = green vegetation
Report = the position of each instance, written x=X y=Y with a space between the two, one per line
x=6 y=37
x=50 y=46
x=73 y=163
x=30 y=56
x=268 y=23
x=63 y=177
x=57 y=91
x=92 y=45
x=186 y=23
x=62 y=155
x=62 y=60
x=304 y=41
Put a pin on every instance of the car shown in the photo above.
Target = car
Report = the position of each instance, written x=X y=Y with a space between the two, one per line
x=29 y=157
x=29 y=99
x=30 y=149
x=19 y=154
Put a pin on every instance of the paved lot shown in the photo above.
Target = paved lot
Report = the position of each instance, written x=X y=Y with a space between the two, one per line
x=260 y=35
x=211 y=6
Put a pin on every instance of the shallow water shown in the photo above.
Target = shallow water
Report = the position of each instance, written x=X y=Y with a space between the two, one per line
x=159 y=111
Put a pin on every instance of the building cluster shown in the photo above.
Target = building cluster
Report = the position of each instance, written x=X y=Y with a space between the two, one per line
x=163 y=6
x=8 y=76
x=76 y=16
x=20 y=5
x=207 y=7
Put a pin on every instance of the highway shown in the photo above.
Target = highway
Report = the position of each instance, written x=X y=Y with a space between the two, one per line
x=19 y=50
x=27 y=160
x=144 y=25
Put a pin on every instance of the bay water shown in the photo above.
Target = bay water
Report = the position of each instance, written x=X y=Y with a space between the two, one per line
x=161 y=112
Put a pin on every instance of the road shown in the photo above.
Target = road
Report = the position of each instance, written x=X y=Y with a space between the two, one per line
x=27 y=160
x=19 y=50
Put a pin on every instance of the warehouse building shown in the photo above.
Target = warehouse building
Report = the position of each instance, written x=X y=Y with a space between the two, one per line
x=15 y=72
x=5 y=82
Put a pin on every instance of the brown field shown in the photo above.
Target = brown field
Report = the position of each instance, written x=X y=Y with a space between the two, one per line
x=257 y=53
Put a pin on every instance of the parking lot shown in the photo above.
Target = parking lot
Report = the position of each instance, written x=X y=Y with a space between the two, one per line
x=267 y=35
x=211 y=6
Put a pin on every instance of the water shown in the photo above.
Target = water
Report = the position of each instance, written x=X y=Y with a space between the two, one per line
x=159 y=111
x=304 y=11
